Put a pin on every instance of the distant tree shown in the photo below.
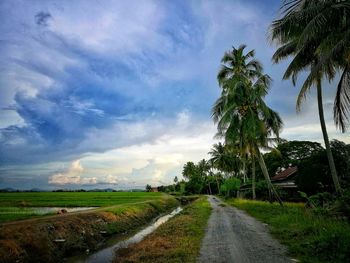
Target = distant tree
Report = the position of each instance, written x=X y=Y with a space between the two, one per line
x=314 y=174
x=341 y=153
x=192 y=173
x=162 y=188
x=203 y=168
x=148 y=188
x=298 y=150
x=224 y=158
x=273 y=160
x=176 y=180
x=189 y=170
x=230 y=186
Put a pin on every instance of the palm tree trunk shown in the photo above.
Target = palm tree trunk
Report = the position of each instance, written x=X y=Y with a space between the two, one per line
x=253 y=177
x=244 y=169
x=325 y=138
x=272 y=189
x=217 y=183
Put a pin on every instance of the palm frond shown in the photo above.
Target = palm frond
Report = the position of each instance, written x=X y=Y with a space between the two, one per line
x=311 y=79
x=341 y=108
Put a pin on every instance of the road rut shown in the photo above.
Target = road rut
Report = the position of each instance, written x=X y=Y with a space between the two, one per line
x=234 y=236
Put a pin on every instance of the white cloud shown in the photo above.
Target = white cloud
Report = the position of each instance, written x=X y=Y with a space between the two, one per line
x=74 y=175
x=158 y=157
x=71 y=176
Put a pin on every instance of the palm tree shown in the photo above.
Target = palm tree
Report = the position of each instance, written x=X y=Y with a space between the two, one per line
x=223 y=159
x=240 y=112
x=204 y=167
x=312 y=32
x=189 y=170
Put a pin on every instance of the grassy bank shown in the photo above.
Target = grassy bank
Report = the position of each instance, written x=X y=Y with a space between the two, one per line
x=52 y=239
x=309 y=237
x=178 y=240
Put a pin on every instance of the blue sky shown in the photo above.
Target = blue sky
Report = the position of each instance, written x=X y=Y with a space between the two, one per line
x=118 y=94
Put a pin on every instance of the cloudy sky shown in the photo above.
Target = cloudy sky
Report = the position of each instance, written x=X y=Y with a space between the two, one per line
x=118 y=93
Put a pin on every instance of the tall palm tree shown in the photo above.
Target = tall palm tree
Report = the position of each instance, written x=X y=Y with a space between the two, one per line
x=312 y=32
x=242 y=116
x=323 y=25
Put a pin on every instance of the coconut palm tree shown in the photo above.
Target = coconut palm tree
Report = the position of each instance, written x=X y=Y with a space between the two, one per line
x=325 y=27
x=311 y=32
x=203 y=168
x=223 y=159
x=219 y=159
x=242 y=116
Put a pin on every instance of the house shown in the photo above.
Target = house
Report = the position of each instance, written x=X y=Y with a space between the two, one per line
x=286 y=178
x=154 y=189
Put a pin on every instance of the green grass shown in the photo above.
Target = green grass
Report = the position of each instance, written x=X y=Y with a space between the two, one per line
x=15 y=213
x=72 y=199
x=309 y=237
x=178 y=240
x=17 y=206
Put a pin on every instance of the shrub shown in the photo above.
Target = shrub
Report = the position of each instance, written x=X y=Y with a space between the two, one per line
x=230 y=186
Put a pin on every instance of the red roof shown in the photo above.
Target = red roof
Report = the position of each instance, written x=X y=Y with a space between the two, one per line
x=285 y=174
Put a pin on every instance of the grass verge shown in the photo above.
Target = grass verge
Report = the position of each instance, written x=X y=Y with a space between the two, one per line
x=310 y=237
x=178 y=240
x=53 y=239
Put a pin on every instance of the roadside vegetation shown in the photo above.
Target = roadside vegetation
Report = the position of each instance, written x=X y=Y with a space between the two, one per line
x=178 y=240
x=310 y=236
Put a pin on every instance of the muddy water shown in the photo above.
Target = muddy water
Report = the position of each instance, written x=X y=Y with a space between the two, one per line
x=107 y=254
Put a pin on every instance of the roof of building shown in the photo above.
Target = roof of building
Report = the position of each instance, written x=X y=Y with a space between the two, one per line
x=285 y=174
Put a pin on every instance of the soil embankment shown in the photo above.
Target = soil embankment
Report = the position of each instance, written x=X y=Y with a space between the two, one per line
x=55 y=238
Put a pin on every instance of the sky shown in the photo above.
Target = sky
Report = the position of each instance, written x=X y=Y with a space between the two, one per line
x=117 y=94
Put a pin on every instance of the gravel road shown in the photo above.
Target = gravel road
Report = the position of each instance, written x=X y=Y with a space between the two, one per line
x=234 y=236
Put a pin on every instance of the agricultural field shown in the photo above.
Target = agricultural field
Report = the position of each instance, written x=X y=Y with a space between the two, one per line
x=23 y=205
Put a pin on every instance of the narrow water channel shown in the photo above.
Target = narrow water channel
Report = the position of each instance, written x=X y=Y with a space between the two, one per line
x=107 y=254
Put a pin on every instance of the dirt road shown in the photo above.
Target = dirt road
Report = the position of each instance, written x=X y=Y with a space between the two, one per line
x=233 y=236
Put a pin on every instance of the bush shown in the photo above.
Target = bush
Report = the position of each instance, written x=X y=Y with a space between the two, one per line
x=314 y=174
x=261 y=190
x=230 y=186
